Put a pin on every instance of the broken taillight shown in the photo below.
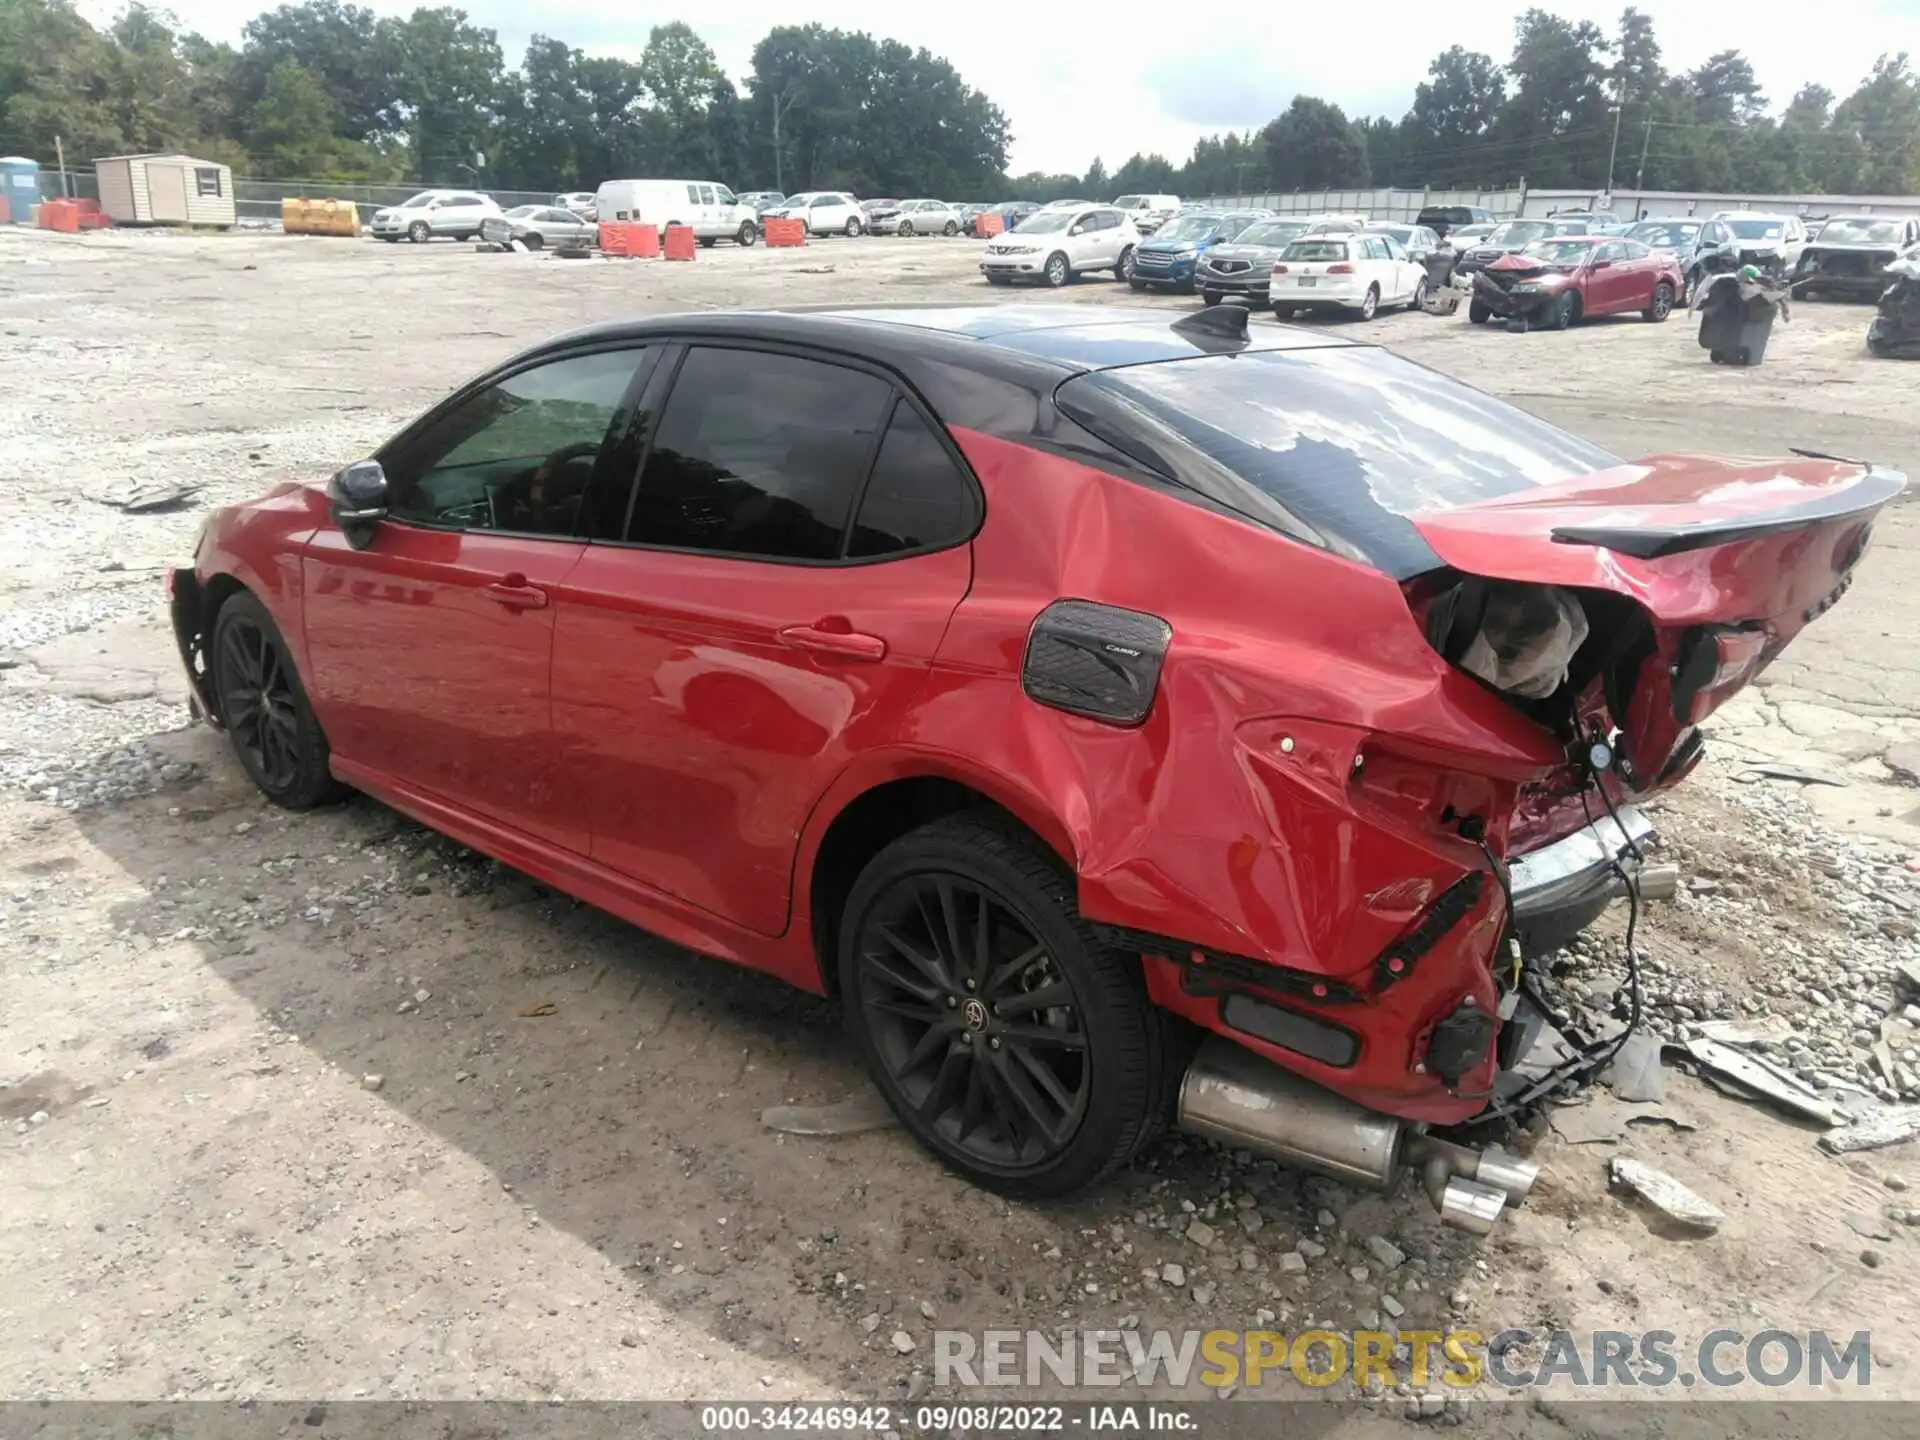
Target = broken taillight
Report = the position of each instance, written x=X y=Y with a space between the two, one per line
x=1713 y=662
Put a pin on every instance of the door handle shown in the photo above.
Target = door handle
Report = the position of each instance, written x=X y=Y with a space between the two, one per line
x=515 y=593
x=834 y=640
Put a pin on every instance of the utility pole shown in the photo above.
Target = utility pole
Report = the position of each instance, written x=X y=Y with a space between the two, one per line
x=1640 y=175
x=1614 y=152
x=782 y=103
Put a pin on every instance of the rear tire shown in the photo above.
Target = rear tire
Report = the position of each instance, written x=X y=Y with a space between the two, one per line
x=853 y=227
x=1034 y=1101
x=950 y=229
x=746 y=235
x=264 y=707
x=1370 y=303
x=1662 y=305
x=706 y=242
x=1478 y=313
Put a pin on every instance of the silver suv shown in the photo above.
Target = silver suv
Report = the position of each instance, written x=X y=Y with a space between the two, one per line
x=434 y=214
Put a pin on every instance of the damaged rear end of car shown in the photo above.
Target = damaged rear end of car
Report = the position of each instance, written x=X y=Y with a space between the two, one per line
x=1423 y=708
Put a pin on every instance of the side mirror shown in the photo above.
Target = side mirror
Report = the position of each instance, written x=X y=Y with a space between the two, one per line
x=359 y=496
x=1603 y=264
x=1078 y=229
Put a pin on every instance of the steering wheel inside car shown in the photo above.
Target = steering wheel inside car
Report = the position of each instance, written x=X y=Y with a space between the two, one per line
x=540 y=500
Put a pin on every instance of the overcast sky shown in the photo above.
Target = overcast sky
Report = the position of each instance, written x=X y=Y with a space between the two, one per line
x=1080 y=82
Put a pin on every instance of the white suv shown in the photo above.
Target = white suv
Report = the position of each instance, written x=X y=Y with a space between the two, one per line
x=825 y=211
x=1053 y=246
x=454 y=214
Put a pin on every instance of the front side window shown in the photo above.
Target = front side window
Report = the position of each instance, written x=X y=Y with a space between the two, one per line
x=707 y=195
x=518 y=455
x=758 y=454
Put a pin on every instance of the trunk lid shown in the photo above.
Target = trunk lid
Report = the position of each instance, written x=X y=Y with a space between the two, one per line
x=1726 y=561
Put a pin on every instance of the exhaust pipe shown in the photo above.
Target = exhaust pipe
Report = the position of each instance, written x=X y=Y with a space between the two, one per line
x=1655 y=882
x=1231 y=1094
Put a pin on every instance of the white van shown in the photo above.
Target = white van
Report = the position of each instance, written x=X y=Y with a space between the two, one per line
x=1148 y=212
x=706 y=206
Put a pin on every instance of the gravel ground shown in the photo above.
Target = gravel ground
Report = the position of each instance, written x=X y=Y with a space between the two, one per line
x=326 y=1106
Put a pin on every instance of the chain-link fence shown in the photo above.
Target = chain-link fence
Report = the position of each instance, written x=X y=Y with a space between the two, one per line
x=1381 y=204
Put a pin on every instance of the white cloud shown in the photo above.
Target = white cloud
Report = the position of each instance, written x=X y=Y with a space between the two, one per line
x=1109 y=81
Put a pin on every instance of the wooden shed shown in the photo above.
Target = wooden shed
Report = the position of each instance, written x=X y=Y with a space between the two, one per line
x=165 y=190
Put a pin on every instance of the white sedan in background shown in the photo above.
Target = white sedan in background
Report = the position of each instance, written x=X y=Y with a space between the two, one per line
x=920 y=217
x=1361 y=273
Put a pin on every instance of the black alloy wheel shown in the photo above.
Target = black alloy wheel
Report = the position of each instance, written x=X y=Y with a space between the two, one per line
x=978 y=1028
x=1009 y=1041
x=265 y=710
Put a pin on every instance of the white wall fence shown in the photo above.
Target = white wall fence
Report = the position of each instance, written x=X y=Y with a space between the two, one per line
x=1403 y=205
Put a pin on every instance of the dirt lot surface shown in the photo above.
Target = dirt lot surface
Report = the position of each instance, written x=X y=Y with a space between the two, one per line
x=325 y=1106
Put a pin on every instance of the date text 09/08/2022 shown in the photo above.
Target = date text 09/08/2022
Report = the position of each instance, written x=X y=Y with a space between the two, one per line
x=1008 y=1419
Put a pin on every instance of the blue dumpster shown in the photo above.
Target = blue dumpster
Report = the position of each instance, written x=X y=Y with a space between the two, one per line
x=19 y=186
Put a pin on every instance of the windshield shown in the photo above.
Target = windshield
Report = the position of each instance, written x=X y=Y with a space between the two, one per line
x=1316 y=250
x=1271 y=232
x=1129 y=202
x=1758 y=229
x=1858 y=230
x=1516 y=234
x=1346 y=443
x=1045 y=223
x=1666 y=234
x=1189 y=227
x=1560 y=252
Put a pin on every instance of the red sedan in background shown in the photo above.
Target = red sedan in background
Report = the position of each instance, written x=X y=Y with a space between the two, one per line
x=1059 y=687
x=1587 y=275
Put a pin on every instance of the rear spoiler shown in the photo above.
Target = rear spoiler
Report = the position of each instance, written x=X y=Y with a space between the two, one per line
x=1651 y=541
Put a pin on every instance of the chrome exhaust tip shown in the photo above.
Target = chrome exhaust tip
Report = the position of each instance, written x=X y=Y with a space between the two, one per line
x=1232 y=1095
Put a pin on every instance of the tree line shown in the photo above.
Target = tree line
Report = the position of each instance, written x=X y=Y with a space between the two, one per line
x=1570 y=100
x=329 y=90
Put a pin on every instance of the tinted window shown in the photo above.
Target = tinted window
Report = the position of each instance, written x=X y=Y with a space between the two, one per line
x=518 y=455
x=1316 y=250
x=1347 y=443
x=917 y=497
x=758 y=454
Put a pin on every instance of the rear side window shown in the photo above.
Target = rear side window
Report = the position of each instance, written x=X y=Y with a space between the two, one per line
x=917 y=498
x=758 y=454
x=1340 y=445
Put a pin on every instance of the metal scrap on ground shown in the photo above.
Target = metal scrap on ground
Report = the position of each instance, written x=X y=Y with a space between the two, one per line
x=851 y=1116
x=1760 y=1080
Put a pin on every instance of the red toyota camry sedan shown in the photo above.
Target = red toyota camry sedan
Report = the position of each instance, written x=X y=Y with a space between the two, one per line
x=1133 y=720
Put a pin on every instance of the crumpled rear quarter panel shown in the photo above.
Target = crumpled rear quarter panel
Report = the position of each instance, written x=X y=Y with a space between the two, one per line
x=1203 y=823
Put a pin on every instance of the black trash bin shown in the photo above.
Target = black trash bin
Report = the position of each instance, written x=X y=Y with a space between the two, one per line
x=1736 y=317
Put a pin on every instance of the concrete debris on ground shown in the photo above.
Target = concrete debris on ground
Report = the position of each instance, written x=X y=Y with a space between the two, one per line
x=1876 y=1132
x=1602 y=1118
x=1666 y=1194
